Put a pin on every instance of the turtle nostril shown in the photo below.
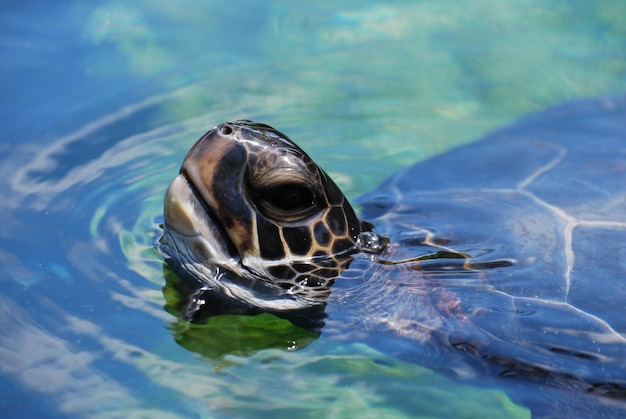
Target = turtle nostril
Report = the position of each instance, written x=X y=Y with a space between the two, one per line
x=226 y=130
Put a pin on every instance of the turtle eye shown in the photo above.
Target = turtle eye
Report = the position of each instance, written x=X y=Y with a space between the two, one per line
x=287 y=201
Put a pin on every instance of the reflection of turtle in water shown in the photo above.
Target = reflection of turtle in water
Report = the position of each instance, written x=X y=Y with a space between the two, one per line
x=505 y=255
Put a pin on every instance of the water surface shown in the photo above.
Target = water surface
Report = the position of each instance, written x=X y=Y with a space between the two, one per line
x=100 y=104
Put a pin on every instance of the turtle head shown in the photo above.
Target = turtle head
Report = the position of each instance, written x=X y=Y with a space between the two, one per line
x=256 y=221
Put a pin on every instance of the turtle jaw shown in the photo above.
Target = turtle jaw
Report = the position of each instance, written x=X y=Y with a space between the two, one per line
x=192 y=230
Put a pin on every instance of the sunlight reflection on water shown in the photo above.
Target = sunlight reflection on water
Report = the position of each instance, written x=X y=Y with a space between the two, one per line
x=100 y=105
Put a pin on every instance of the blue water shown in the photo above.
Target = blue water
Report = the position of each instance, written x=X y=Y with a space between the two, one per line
x=99 y=104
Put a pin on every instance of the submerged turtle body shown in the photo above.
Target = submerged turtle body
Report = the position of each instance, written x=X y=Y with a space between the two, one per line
x=506 y=254
x=539 y=209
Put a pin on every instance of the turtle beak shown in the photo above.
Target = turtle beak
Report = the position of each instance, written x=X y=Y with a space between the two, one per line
x=193 y=230
x=179 y=207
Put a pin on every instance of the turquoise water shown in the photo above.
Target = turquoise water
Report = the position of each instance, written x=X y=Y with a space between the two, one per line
x=101 y=103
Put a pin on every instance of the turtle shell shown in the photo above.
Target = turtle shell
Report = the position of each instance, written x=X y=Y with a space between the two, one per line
x=510 y=249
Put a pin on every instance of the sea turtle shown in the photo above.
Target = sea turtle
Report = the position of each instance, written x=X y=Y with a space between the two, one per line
x=505 y=256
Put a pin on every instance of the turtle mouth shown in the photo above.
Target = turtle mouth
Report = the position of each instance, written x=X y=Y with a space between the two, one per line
x=193 y=232
x=218 y=231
